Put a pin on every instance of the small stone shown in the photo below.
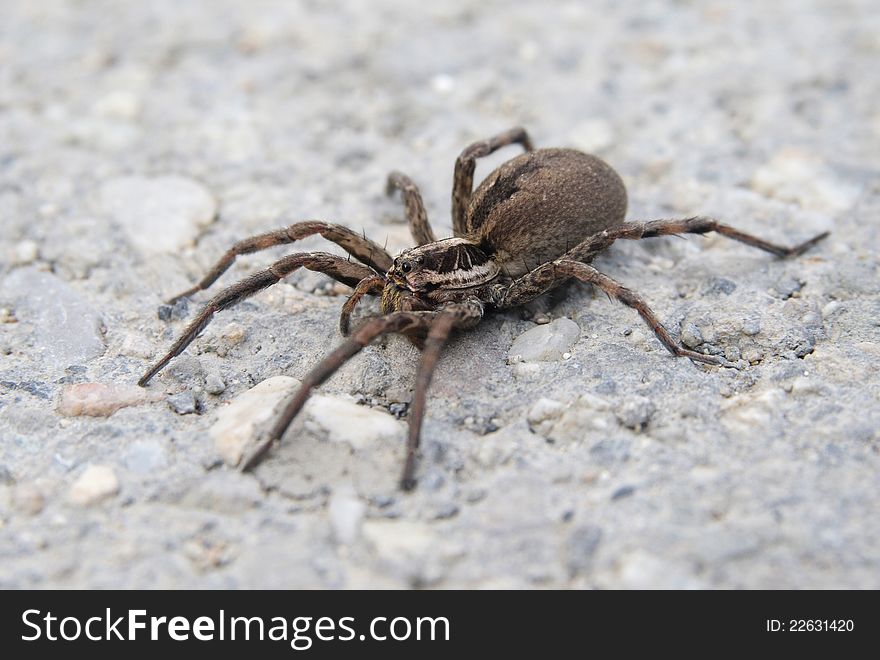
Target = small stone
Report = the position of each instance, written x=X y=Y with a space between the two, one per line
x=543 y=415
x=786 y=287
x=722 y=285
x=183 y=403
x=227 y=337
x=398 y=409
x=238 y=422
x=102 y=400
x=65 y=329
x=751 y=326
x=732 y=353
x=97 y=483
x=159 y=214
x=635 y=413
x=176 y=312
x=622 y=492
x=545 y=343
x=25 y=252
x=345 y=421
x=233 y=333
x=398 y=394
x=691 y=335
x=214 y=384
x=752 y=355
x=346 y=513
x=831 y=308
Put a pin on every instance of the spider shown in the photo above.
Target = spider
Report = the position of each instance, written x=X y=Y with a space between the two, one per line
x=530 y=210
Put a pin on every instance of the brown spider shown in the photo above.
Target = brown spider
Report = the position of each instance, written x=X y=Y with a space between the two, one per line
x=530 y=210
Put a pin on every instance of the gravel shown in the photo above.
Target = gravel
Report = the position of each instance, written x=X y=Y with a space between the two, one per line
x=545 y=343
x=140 y=144
x=96 y=483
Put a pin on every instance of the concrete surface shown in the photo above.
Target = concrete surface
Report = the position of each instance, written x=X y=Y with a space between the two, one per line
x=139 y=140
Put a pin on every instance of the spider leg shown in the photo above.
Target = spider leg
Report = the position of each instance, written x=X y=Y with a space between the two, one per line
x=465 y=165
x=362 y=248
x=586 y=273
x=462 y=315
x=696 y=225
x=337 y=267
x=399 y=322
x=553 y=274
x=368 y=286
x=416 y=214
x=457 y=315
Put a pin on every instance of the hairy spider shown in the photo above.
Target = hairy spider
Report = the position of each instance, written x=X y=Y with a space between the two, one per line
x=531 y=210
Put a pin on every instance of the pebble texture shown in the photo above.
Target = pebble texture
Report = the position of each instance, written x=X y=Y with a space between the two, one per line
x=141 y=140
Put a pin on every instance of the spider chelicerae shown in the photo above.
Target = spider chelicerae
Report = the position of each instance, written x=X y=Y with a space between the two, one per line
x=558 y=208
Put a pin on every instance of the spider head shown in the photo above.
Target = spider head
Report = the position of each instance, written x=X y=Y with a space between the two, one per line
x=451 y=263
x=405 y=271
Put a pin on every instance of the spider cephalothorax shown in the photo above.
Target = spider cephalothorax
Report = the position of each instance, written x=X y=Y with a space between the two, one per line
x=532 y=224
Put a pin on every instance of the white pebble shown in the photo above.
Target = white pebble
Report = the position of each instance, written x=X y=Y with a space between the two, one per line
x=345 y=421
x=25 y=252
x=544 y=343
x=544 y=409
x=544 y=414
x=237 y=423
x=97 y=483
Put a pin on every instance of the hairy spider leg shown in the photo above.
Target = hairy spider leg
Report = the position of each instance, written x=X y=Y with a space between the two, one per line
x=461 y=315
x=573 y=264
x=589 y=248
x=368 y=286
x=416 y=214
x=360 y=247
x=465 y=165
x=345 y=271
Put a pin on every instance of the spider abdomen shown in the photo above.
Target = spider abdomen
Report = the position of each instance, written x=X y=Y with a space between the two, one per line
x=535 y=207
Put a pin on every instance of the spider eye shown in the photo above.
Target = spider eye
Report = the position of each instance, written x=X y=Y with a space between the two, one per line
x=406 y=266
